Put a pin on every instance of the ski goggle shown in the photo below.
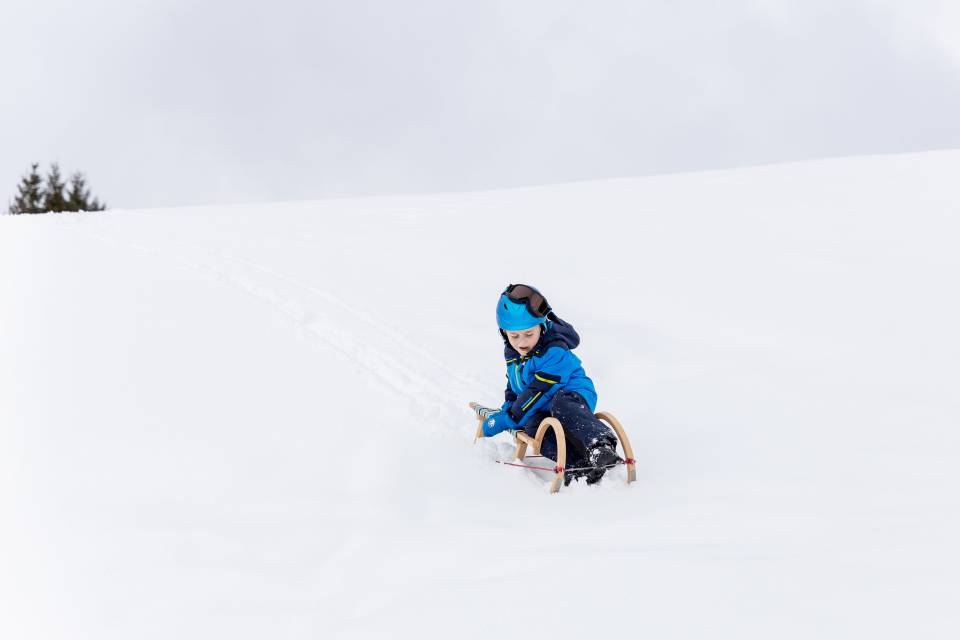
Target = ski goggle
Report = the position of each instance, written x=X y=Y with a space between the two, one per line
x=536 y=303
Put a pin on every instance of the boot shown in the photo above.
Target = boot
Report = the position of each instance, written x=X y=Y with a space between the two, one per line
x=601 y=458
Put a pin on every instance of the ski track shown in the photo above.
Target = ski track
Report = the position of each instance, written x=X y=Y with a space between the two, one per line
x=364 y=341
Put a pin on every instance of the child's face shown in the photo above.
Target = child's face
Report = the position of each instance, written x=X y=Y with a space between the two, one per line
x=525 y=340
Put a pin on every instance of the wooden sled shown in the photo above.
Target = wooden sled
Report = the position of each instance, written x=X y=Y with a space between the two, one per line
x=523 y=440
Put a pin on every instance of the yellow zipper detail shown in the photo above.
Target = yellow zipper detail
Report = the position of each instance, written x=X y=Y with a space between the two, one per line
x=531 y=401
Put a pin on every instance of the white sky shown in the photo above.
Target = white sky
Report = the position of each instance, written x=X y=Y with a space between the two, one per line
x=172 y=102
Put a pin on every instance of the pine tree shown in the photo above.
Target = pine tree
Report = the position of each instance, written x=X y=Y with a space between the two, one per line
x=30 y=197
x=53 y=199
x=78 y=197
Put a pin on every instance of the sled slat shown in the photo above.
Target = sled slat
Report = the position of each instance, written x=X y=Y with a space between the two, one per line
x=523 y=437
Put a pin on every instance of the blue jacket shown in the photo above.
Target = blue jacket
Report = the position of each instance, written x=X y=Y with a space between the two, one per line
x=533 y=380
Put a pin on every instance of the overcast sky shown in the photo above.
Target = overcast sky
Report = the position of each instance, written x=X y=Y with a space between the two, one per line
x=172 y=102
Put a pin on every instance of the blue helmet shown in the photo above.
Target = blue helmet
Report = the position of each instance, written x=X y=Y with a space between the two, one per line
x=521 y=307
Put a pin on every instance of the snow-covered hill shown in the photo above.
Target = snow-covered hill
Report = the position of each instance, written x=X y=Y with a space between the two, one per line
x=251 y=422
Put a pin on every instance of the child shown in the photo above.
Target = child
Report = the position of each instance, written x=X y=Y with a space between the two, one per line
x=545 y=379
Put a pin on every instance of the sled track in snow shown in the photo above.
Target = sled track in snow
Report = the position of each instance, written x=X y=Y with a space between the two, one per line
x=364 y=341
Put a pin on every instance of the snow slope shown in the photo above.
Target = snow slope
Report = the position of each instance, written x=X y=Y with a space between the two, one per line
x=250 y=421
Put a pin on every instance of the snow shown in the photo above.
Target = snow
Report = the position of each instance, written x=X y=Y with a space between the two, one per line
x=251 y=421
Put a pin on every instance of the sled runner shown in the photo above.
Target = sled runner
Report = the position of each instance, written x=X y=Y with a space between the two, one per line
x=523 y=440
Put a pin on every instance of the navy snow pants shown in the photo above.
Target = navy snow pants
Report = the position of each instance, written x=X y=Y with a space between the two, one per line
x=582 y=429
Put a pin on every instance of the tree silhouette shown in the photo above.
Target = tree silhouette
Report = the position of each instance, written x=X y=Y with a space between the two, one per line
x=78 y=197
x=53 y=199
x=33 y=196
x=30 y=193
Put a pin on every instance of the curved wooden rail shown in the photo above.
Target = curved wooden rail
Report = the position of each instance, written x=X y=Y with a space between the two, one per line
x=523 y=440
x=624 y=442
x=548 y=423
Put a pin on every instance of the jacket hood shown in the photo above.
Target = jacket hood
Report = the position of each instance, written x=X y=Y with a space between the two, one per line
x=557 y=334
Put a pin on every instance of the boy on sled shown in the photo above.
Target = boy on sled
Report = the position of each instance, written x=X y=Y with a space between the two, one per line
x=544 y=379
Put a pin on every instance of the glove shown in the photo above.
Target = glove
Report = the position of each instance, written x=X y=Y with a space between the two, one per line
x=497 y=422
